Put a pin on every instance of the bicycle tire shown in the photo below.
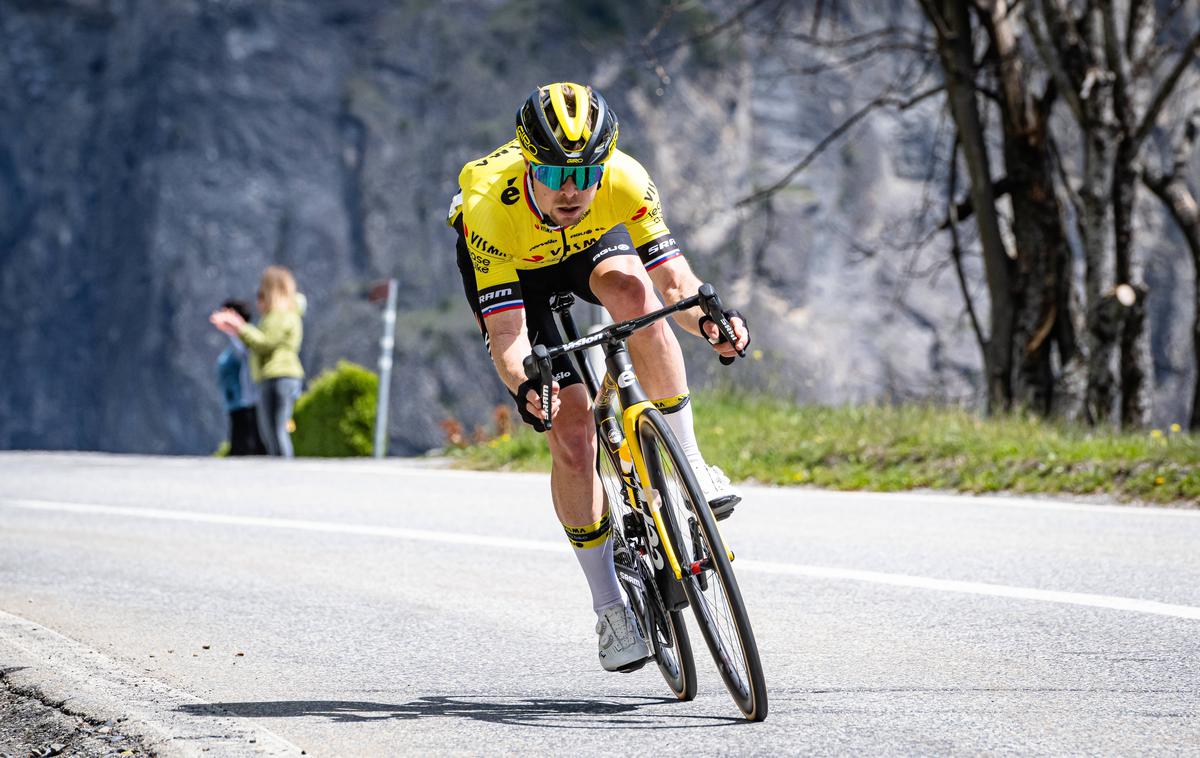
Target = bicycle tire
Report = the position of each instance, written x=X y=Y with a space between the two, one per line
x=673 y=649
x=717 y=605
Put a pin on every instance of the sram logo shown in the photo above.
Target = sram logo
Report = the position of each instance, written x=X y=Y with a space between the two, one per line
x=665 y=245
x=495 y=294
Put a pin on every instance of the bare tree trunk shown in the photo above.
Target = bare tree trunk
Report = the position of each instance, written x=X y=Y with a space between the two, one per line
x=952 y=220
x=1135 y=358
x=1182 y=203
x=952 y=20
x=1043 y=317
x=1072 y=50
x=1179 y=199
x=1136 y=362
x=1103 y=322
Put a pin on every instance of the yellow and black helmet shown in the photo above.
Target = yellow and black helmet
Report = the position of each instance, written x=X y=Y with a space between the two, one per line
x=566 y=124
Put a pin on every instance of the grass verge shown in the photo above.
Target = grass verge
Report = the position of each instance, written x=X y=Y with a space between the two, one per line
x=910 y=447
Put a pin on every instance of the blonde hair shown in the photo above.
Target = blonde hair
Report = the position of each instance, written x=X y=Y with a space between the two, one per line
x=277 y=290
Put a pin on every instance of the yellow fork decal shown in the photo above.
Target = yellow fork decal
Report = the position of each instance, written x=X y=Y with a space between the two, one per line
x=629 y=419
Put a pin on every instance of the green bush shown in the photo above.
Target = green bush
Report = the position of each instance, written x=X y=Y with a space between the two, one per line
x=336 y=417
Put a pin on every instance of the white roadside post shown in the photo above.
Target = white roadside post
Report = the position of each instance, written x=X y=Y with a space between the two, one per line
x=386 y=344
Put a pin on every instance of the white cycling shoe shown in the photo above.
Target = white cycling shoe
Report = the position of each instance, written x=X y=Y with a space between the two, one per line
x=720 y=493
x=621 y=647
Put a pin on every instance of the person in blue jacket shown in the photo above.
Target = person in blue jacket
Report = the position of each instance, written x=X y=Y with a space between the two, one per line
x=239 y=391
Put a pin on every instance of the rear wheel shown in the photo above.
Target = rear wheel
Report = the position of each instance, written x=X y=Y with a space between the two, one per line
x=664 y=631
x=708 y=579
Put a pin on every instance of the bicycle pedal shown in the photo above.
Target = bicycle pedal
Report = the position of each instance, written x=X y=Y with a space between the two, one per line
x=629 y=668
x=723 y=508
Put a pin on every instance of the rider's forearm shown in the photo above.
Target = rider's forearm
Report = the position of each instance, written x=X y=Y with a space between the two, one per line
x=675 y=280
x=509 y=347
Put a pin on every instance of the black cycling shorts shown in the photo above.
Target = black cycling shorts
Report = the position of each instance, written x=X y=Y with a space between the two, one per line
x=537 y=285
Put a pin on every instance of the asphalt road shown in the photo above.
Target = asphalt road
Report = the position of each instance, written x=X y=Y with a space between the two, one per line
x=231 y=607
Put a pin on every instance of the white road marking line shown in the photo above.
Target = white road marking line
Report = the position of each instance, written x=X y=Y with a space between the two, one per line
x=417 y=468
x=88 y=681
x=328 y=527
x=1110 y=602
x=985 y=500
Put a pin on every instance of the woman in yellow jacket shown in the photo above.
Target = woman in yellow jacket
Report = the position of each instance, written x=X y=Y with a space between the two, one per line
x=274 y=354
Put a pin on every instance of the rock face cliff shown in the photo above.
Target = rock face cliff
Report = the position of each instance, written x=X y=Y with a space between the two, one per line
x=156 y=155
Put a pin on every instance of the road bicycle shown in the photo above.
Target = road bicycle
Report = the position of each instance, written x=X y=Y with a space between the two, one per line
x=668 y=551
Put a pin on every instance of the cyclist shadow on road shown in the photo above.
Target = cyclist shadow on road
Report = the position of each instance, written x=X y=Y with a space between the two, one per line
x=556 y=713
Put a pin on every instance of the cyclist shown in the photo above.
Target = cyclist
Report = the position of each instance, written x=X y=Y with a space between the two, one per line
x=560 y=208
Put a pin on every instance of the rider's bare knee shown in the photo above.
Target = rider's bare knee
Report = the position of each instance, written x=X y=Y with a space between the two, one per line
x=574 y=432
x=627 y=295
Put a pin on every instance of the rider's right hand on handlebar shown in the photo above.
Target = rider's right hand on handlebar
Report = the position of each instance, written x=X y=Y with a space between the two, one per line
x=529 y=403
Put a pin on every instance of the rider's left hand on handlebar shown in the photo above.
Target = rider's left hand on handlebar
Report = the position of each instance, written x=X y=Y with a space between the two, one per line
x=740 y=330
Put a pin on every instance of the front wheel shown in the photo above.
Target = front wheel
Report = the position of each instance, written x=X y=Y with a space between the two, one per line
x=708 y=579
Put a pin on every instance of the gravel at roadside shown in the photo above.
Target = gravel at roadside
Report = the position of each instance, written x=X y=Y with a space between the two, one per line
x=30 y=728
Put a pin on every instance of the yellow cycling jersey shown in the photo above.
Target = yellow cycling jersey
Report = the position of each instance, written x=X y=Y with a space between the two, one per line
x=504 y=233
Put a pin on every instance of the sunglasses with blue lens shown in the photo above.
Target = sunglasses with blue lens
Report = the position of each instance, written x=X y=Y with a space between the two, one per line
x=554 y=177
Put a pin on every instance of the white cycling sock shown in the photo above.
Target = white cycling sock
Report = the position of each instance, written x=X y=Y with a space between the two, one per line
x=678 y=413
x=593 y=547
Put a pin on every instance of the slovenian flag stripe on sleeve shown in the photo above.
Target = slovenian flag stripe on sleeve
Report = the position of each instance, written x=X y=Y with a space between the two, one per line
x=661 y=259
x=501 y=307
x=500 y=298
x=494 y=308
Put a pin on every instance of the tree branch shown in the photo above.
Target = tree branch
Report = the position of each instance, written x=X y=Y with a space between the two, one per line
x=1170 y=14
x=1118 y=64
x=1187 y=57
x=862 y=55
x=881 y=101
x=1050 y=56
x=939 y=22
x=1045 y=104
x=956 y=247
x=817 y=13
x=1139 y=11
x=1191 y=130
x=663 y=17
x=713 y=30
x=1065 y=179
x=966 y=208
x=852 y=41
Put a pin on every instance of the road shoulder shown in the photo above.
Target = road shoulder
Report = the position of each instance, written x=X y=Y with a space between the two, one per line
x=43 y=667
